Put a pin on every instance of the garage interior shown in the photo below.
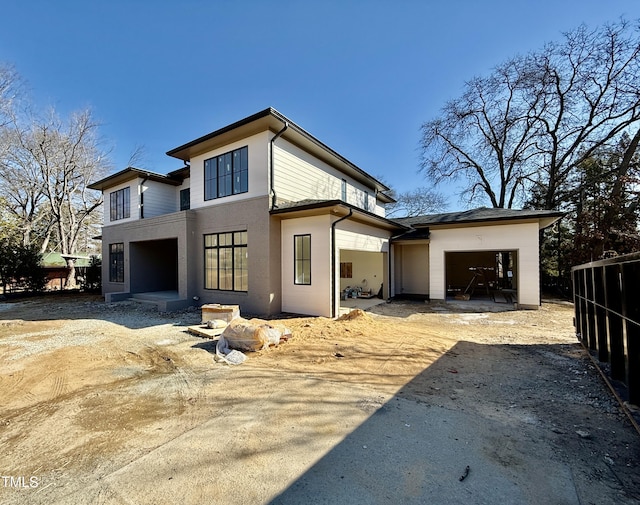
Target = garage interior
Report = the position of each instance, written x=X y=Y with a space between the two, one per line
x=362 y=275
x=482 y=275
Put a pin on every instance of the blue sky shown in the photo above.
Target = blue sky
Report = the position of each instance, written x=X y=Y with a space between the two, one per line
x=362 y=76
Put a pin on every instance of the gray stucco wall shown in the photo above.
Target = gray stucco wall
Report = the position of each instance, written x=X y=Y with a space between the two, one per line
x=154 y=237
x=173 y=226
x=263 y=247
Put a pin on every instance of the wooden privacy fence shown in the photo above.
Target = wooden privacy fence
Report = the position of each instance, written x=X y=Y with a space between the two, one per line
x=606 y=296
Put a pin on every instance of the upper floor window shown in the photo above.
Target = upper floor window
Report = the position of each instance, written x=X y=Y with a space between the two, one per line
x=185 y=199
x=227 y=174
x=120 y=204
x=344 y=190
x=370 y=203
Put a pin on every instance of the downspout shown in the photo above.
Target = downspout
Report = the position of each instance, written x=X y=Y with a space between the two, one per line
x=272 y=190
x=333 y=261
x=146 y=178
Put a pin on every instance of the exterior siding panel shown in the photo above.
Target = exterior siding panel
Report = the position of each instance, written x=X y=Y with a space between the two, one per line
x=158 y=199
x=300 y=176
x=313 y=299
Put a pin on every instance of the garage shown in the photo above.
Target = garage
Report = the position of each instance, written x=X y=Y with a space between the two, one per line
x=489 y=253
x=486 y=275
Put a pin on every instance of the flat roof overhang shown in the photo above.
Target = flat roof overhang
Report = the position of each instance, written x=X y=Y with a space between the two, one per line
x=272 y=120
x=338 y=209
x=131 y=173
x=543 y=222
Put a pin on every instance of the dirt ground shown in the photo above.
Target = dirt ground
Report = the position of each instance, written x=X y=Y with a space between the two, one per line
x=88 y=389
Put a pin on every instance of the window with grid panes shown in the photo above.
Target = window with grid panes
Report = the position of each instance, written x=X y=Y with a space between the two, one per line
x=225 y=261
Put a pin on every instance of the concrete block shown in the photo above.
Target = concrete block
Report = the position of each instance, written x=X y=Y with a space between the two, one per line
x=216 y=311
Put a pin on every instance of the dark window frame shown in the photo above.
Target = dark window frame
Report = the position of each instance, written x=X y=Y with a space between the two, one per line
x=300 y=262
x=120 y=204
x=116 y=262
x=227 y=174
x=231 y=245
x=185 y=199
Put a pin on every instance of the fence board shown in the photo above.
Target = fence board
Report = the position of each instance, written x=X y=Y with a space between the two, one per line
x=607 y=309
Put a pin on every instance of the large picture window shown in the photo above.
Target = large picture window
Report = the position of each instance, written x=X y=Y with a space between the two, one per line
x=116 y=262
x=225 y=261
x=227 y=174
x=302 y=259
x=120 y=204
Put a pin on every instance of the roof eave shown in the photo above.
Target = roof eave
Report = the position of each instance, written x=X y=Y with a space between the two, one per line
x=131 y=173
x=340 y=208
x=186 y=151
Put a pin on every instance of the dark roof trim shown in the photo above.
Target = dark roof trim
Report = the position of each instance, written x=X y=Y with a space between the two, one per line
x=131 y=173
x=181 y=173
x=321 y=204
x=383 y=197
x=254 y=117
x=176 y=153
x=482 y=214
x=414 y=234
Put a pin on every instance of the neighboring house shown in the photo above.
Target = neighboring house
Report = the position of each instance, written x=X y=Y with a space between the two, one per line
x=266 y=216
x=56 y=269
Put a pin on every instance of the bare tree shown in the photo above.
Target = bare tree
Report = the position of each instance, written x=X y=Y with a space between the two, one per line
x=417 y=202
x=22 y=184
x=533 y=120
x=45 y=167
x=68 y=157
x=10 y=90
x=138 y=157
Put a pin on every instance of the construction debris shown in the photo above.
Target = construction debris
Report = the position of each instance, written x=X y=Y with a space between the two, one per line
x=213 y=311
x=229 y=356
x=254 y=334
x=355 y=314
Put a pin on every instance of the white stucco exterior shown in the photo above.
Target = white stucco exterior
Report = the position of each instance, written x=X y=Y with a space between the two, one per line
x=350 y=236
x=521 y=238
x=313 y=299
x=258 y=172
x=316 y=192
x=410 y=275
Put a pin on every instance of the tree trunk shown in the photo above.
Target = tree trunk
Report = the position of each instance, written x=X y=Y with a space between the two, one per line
x=70 y=282
x=625 y=165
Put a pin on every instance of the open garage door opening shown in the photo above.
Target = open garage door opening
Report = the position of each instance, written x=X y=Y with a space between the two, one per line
x=362 y=275
x=482 y=275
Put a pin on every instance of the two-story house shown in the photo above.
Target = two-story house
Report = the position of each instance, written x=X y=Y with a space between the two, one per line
x=266 y=216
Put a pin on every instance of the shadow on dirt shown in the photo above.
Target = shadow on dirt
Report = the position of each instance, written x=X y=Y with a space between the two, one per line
x=77 y=306
x=532 y=423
